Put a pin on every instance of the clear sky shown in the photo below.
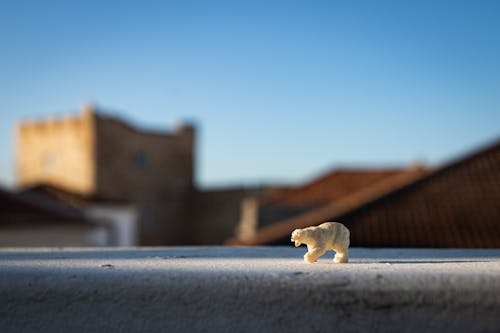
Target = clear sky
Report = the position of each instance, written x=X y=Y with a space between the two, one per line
x=281 y=90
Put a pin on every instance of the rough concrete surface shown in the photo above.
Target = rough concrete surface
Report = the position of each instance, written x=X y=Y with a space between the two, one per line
x=221 y=289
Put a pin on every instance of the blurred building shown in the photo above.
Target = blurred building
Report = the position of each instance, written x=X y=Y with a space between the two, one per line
x=40 y=216
x=102 y=158
x=141 y=181
x=342 y=188
x=215 y=213
x=117 y=218
x=31 y=220
x=139 y=185
x=457 y=205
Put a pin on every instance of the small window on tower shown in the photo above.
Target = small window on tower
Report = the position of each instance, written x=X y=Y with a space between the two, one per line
x=140 y=160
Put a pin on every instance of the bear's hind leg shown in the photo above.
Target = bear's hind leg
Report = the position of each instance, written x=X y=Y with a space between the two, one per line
x=341 y=256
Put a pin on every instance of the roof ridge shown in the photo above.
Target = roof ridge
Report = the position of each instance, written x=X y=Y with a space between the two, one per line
x=465 y=158
x=336 y=172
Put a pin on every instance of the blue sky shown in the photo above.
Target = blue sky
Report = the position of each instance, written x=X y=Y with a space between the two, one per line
x=280 y=90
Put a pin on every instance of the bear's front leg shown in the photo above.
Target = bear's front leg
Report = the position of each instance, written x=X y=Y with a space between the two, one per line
x=313 y=254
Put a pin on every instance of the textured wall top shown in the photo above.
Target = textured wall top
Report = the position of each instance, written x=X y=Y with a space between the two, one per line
x=248 y=289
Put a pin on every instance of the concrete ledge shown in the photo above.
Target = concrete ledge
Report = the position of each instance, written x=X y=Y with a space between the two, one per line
x=248 y=289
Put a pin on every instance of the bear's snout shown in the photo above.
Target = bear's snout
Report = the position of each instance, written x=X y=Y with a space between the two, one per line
x=295 y=236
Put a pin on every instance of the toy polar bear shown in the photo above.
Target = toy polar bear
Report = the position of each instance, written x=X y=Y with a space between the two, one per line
x=319 y=239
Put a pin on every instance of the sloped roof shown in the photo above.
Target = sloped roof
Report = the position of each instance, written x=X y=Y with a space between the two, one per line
x=15 y=208
x=457 y=205
x=66 y=197
x=333 y=186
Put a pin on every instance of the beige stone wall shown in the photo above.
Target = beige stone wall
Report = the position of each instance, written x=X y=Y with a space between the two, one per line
x=58 y=152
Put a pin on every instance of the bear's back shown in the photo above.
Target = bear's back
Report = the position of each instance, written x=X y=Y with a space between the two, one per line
x=337 y=234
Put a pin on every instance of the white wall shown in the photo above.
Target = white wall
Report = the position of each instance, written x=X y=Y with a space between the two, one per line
x=121 y=222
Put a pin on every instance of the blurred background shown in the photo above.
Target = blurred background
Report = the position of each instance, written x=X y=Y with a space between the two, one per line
x=218 y=122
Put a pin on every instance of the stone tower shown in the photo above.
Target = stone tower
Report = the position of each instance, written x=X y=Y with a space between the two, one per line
x=99 y=156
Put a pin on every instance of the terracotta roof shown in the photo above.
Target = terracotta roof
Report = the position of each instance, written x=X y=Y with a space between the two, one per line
x=324 y=190
x=454 y=206
x=332 y=186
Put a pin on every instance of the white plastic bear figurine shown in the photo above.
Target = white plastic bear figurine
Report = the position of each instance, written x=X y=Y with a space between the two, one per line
x=319 y=239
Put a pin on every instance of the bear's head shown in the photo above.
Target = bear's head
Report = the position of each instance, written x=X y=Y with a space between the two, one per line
x=297 y=237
